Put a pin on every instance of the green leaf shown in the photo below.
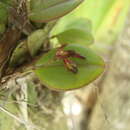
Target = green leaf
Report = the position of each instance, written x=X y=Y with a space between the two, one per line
x=80 y=23
x=35 y=41
x=72 y=23
x=79 y=30
x=54 y=74
x=44 y=11
x=75 y=36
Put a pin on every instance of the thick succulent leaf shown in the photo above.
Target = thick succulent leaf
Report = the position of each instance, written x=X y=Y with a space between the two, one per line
x=81 y=23
x=79 y=30
x=19 y=54
x=55 y=75
x=75 y=36
x=43 y=11
x=35 y=41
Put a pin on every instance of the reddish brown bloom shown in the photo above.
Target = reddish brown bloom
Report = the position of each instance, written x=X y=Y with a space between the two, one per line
x=65 y=55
